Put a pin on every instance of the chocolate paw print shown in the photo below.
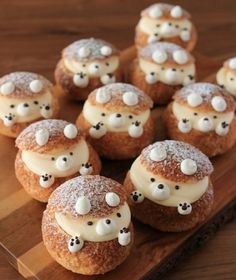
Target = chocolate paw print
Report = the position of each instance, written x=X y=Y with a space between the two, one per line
x=46 y=180
x=137 y=196
x=81 y=80
x=98 y=130
x=45 y=111
x=124 y=237
x=75 y=244
x=9 y=120
x=108 y=78
x=86 y=169
x=184 y=208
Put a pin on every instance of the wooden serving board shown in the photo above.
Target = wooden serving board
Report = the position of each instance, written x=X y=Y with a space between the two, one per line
x=153 y=253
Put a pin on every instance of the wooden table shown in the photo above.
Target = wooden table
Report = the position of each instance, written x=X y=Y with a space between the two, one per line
x=33 y=33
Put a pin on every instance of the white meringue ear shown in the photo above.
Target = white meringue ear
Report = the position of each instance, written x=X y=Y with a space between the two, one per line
x=84 y=52
x=70 y=131
x=232 y=63
x=155 y=12
x=130 y=98
x=36 y=86
x=218 y=103
x=42 y=136
x=188 y=166
x=102 y=96
x=180 y=56
x=106 y=50
x=82 y=205
x=158 y=153
x=194 y=99
x=112 y=199
x=159 y=56
x=176 y=12
x=7 y=88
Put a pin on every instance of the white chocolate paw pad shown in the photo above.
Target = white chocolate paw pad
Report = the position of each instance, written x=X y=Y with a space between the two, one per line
x=124 y=237
x=184 y=208
x=222 y=129
x=185 y=35
x=86 y=169
x=184 y=126
x=46 y=180
x=154 y=38
x=9 y=120
x=159 y=191
x=97 y=131
x=137 y=196
x=188 y=80
x=135 y=130
x=151 y=78
x=108 y=79
x=81 y=80
x=46 y=111
x=75 y=244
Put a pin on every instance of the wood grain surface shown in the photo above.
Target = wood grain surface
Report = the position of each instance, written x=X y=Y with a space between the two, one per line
x=33 y=33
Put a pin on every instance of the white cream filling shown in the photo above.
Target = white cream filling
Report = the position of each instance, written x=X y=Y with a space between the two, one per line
x=149 y=26
x=34 y=111
x=187 y=192
x=182 y=112
x=80 y=227
x=105 y=66
x=93 y=115
x=162 y=75
x=43 y=163
x=227 y=79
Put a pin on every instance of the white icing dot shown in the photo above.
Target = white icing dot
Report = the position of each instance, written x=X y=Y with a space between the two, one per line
x=137 y=196
x=112 y=199
x=184 y=208
x=154 y=38
x=81 y=80
x=130 y=98
x=23 y=109
x=36 y=86
x=222 y=129
x=108 y=79
x=63 y=163
x=97 y=131
x=105 y=226
x=176 y=12
x=70 y=131
x=155 y=12
x=232 y=63
x=180 y=56
x=106 y=50
x=159 y=191
x=158 y=153
x=42 y=136
x=194 y=99
x=102 y=96
x=151 y=78
x=184 y=126
x=7 y=88
x=124 y=237
x=185 y=35
x=75 y=244
x=83 y=205
x=218 y=103
x=135 y=130
x=205 y=124
x=84 y=52
x=86 y=169
x=46 y=180
x=188 y=166
x=116 y=120
x=159 y=56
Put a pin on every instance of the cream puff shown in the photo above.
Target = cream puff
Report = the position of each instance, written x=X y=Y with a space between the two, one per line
x=160 y=69
x=165 y=22
x=85 y=65
x=117 y=121
x=226 y=76
x=202 y=114
x=169 y=186
x=87 y=225
x=51 y=152
x=25 y=98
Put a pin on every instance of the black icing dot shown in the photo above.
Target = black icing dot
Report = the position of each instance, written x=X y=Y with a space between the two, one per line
x=182 y=70
x=177 y=187
x=96 y=66
x=152 y=179
x=77 y=241
x=108 y=221
x=26 y=105
x=107 y=63
x=12 y=106
x=130 y=116
x=118 y=115
x=215 y=117
x=36 y=102
x=231 y=79
x=195 y=114
x=71 y=153
x=103 y=114
x=173 y=69
x=205 y=119
x=47 y=107
x=162 y=68
x=160 y=186
x=71 y=244
x=89 y=223
x=118 y=215
x=84 y=65
x=52 y=158
x=158 y=25
x=169 y=23
x=177 y=26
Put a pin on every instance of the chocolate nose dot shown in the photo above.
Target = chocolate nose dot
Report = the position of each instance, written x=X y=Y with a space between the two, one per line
x=96 y=66
x=108 y=221
x=118 y=115
x=26 y=105
x=160 y=186
x=64 y=159
x=205 y=119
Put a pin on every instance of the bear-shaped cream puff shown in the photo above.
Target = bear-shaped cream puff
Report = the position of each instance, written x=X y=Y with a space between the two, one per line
x=169 y=186
x=51 y=152
x=160 y=69
x=25 y=97
x=87 y=225
x=85 y=65
x=165 y=22
x=202 y=114
x=226 y=76
x=117 y=120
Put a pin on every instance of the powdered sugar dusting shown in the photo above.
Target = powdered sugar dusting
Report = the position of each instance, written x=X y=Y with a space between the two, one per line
x=94 y=45
x=22 y=80
x=94 y=187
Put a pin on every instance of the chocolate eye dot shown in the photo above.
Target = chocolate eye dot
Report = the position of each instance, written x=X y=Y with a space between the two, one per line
x=26 y=105
x=36 y=102
x=177 y=187
x=177 y=26
x=118 y=215
x=89 y=223
x=152 y=180
x=12 y=106
x=170 y=23
x=84 y=65
x=162 y=68
x=130 y=116
x=71 y=153
x=160 y=186
x=195 y=114
x=107 y=63
x=108 y=221
x=103 y=114
x=231 y=79
x=182 y=70
x=215 y=117
x=52 y=158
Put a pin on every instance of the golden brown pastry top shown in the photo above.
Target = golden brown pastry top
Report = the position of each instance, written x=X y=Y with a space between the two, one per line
x=47 y=135
x=166 y=159
x=23 y=85
x=207 y=102
x=94 y=188
x=120 y=96
x=89 y=49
